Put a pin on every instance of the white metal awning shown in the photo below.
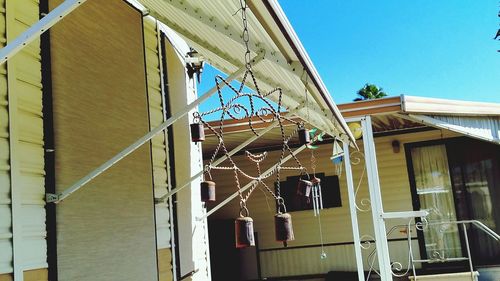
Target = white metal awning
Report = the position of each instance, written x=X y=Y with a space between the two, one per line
x=214 y=29
x=486 y=128
x=479 y=120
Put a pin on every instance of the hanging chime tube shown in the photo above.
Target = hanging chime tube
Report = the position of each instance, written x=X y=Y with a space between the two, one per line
x=315 y=202
x=317 y=186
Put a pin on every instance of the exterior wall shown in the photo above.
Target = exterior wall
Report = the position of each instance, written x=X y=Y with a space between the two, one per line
x=336 y=223
x=159 y=149
x=193 y=235
x=5 y=200
x=22 y=213
x=21 y=103
x=165 y=264
x=105 y=230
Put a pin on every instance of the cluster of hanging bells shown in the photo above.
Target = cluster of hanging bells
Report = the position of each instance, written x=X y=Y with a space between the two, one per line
x=244 y=231
x=243 y=225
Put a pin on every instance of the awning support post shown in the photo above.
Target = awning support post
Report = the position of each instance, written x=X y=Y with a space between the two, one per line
x=223 y=158
x=376 y=200
x=32 y=33
x=235 y=194
x=56 y=198
x=353 y=212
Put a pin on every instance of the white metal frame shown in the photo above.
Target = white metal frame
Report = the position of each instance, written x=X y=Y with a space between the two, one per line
x=376 y=200
x=353 y=213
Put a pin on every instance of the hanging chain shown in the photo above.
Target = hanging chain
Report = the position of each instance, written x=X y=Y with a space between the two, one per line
x=245 y=34
x=313 y=163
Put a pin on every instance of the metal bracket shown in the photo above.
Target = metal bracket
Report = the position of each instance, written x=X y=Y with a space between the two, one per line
x=159 y=200
x=404 y=215
x=51 y=197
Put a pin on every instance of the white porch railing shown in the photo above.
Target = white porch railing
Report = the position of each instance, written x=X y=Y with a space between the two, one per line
x=436 y=258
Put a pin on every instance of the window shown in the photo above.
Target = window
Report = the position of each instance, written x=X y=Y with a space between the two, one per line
x=330 y=191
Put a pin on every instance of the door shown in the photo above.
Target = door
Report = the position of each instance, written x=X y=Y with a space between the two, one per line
x=475 y=173
x=456 y=179
x=432 y=189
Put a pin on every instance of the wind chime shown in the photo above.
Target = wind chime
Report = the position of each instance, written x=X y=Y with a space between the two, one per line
x=236 y=110
x=317 y=201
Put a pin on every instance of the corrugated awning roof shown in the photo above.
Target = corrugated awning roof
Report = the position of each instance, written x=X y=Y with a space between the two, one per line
x=214 y=29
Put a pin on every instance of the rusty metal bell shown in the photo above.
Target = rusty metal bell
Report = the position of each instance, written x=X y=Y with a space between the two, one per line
x=207 y=191
x=243 y=228
x=197 y=132
x=316 y=180
x=283 y=228
x=304 y=188
x=304 y=137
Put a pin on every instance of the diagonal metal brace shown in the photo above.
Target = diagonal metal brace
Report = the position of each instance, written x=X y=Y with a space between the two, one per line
x=32 y=33
x=108 y=164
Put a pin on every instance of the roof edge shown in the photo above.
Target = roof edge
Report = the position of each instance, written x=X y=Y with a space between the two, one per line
x=437 y=106
x=288 y=32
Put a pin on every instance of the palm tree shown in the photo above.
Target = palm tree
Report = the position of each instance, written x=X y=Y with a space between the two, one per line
x=370 y=92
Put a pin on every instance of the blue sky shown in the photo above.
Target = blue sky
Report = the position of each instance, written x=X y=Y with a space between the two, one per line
x=426 y=48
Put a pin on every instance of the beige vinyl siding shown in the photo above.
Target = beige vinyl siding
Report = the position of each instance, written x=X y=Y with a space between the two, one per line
x=158 y=142
x=105 y=230
x=156 y=117
x=336 y=222
x=5 y=208
x=25 y=190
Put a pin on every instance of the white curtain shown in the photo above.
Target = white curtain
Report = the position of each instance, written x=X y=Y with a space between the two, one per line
x=433 y=184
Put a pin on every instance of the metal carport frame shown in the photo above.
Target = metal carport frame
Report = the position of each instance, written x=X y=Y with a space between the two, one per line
x=64 y=9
